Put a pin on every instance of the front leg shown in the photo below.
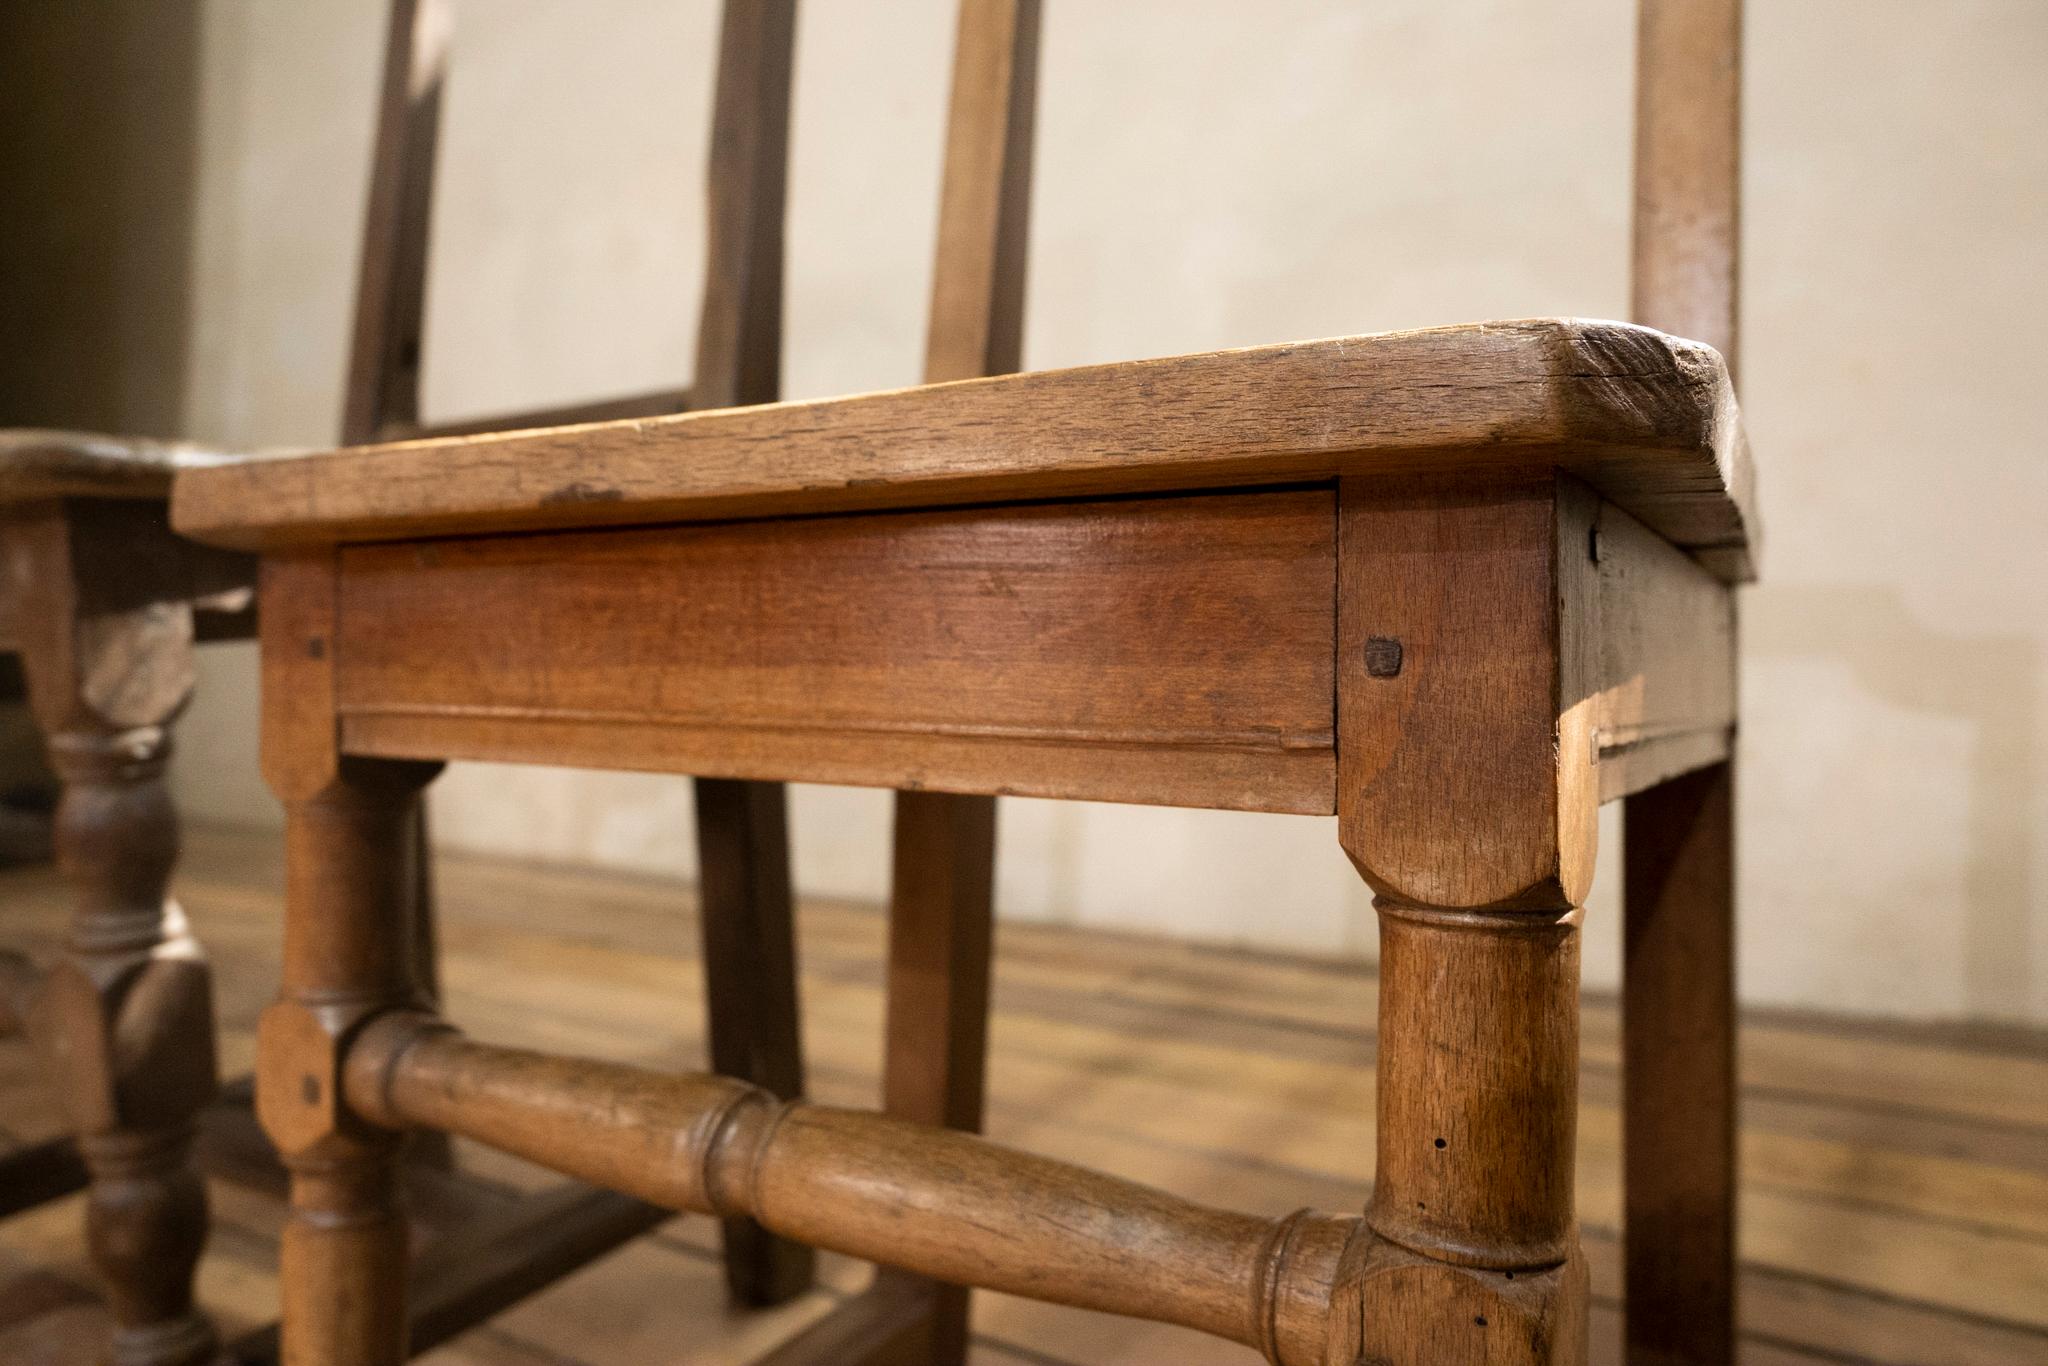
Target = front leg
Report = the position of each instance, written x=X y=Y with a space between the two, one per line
x=1466 y=799
x=125 y=1017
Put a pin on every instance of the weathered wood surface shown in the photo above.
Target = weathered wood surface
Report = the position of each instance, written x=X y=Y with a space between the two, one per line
x=1649 y=420
x=1169 y=650
x=37 y=463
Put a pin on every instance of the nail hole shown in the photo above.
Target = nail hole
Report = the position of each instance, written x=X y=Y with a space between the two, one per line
x=1511 y=1275
x=309 y=1090
x=1479 y=1319
x=1440 y=1143
x=1420 y=1205
x=1382 y=657
x=316 y=648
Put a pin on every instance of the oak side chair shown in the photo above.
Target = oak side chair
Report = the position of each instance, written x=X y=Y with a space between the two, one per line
x=104 y=604
x=1456 y=587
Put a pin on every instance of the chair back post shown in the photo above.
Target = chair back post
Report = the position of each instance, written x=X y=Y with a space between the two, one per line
x=739 y=333
x=1680 y=1147
x=383 y=387
x=977 y=317
x=1687 y=238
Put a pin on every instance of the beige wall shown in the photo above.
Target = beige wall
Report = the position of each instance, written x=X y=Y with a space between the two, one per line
x=1215 y=173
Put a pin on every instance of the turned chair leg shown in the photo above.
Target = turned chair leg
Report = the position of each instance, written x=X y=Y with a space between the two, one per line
x=126 y=1019
x=1478 y=1117
x=348 y=956
x=1679 y=1084
x=125 y=1016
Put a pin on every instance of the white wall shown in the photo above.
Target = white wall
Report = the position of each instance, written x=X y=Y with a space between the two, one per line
x=1217 y=174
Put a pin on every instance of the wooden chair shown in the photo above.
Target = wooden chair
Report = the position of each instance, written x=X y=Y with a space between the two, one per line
x=1456 y=587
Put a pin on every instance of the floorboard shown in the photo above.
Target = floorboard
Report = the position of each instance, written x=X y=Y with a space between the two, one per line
x=1895 y=1190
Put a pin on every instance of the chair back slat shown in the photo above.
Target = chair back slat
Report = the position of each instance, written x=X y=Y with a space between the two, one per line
x=740 y=327
x=1687 y=237
x=977 y=318
x=383 y=386
x=739 y=334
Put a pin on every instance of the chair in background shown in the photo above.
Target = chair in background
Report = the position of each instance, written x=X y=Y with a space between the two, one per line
x=103 y=604
x=101 y=601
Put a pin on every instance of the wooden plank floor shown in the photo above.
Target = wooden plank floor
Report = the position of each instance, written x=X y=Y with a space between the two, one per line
x=1895 y=1180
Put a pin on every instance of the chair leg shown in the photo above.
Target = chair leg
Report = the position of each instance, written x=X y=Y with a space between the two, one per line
x=1478 y=1114
x=126 y=1019
x=348 y=956
x=1679 y=1084
x=748 y=922
x=125 y=1016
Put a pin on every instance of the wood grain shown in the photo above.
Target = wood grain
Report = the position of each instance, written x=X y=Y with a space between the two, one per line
x=1647 y=649
x=1648 y=420
x=750 y=991
x=970 y=651
x=739 y=333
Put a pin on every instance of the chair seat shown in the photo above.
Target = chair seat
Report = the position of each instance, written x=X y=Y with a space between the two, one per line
x=115 y=473
x=44 y=463
x=1649 y=420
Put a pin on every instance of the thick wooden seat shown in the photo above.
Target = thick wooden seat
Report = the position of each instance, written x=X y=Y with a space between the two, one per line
x=1649 y=420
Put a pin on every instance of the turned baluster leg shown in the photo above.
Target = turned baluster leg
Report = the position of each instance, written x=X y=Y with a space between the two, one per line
x=128 y=1025
x=350 y=845
x=1478 y=1096
x=1467 y=797
x=125 y=1016
x=347 y=957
